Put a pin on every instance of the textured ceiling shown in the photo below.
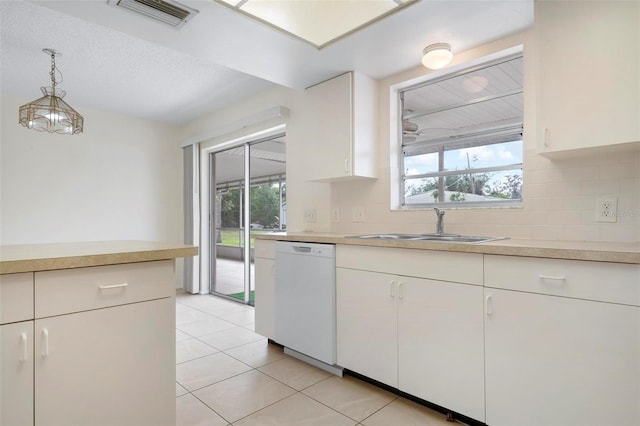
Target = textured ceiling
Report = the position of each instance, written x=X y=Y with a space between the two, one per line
x=121 y=62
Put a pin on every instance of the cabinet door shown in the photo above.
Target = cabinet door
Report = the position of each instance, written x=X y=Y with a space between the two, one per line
x=441 y=344
x=328 y=119
x=111 y=366
x=559 y=361
x=265 y=296
x=367 y=324
x=16 y=372
x=588 y=67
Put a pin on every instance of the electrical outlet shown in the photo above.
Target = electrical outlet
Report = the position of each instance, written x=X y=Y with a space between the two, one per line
x=358 y=214
x=607 y=209
x=310 y=215
x=335 y=215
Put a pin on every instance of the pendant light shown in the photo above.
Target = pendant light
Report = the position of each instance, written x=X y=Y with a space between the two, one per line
x=436 y=56
x=50 y=113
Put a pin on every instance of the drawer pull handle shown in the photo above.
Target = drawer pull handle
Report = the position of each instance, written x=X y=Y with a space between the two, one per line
x=23 y=340
x=45 y=336
x=401 y=290
x=489 y=303
x=551 y=277
x=106 y=287
x=392 y=289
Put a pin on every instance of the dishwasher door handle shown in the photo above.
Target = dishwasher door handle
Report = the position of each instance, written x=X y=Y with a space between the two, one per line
x=301 y=249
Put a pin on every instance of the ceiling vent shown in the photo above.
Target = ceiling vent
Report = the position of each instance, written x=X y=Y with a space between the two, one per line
x=168 y=12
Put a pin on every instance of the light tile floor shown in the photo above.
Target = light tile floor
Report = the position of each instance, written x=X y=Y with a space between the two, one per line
x=228 y=375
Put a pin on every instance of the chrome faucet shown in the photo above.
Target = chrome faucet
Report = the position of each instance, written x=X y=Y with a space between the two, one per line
x=440 y=223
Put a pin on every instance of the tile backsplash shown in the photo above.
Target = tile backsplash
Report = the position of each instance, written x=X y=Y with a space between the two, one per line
x=559 y=203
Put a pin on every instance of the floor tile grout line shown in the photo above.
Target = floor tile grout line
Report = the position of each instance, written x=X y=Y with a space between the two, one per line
x=210 y=408
x=253 y=412
x=215 y=316
x=222 y=351
x=260 y=366
x=332 y=408
x=301 y=391
x=381 y=408
x=213 y=383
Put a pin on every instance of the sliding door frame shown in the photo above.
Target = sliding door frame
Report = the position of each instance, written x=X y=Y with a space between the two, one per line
x=245 y=206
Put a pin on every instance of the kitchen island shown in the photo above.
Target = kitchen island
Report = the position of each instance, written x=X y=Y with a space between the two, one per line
x=506 y=332
x=88 y=333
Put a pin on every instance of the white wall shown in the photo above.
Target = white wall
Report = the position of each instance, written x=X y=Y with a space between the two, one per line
x=300 y=194
x=119 y=180
x=559 y=196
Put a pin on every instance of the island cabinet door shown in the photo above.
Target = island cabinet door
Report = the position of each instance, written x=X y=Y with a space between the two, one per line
x=560 y=361
x=16 y=372
x=110 y=366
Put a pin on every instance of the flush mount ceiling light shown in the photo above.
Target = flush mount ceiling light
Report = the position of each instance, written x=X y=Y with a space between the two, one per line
x=50 y=113
x=436 y=56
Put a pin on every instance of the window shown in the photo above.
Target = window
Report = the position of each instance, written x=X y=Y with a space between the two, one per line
x=462 y=138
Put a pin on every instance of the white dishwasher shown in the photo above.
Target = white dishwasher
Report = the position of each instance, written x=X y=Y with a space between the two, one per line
x=305 y=299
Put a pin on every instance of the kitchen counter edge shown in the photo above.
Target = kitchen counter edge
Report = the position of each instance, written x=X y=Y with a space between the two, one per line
x=45 y=257
x=570 y=250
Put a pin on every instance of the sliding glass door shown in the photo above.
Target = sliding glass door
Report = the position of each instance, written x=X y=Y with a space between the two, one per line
x=238 y=214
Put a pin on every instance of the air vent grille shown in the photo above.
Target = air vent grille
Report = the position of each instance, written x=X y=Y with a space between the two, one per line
x=168 y=12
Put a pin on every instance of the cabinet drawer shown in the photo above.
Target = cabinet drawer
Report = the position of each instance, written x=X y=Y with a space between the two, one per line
x=16 y=297
x=74 y=290
x=600 y=281
x=436 y=265
x=265 y=249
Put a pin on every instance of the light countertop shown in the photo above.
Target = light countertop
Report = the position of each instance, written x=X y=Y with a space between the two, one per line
x=43 y=257
x=572 y=250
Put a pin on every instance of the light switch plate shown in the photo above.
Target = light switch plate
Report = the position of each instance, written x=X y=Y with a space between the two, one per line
x=358 y=214
x=310 y=215
x=335 y=215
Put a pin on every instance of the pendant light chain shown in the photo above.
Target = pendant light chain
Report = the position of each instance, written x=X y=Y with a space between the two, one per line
x=53 y=72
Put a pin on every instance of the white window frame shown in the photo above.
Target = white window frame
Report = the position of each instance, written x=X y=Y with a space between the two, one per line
x=397 y=154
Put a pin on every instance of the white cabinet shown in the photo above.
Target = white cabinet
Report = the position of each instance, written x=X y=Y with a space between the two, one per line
x=561 y=359
x=109 y=366
x=16 y=349
x=367 y=325
x=340 y=123
x=98 y=346
x=588 y=75
x=420 y=335
x=16 y=371
x=265 y=288
x=441 y=344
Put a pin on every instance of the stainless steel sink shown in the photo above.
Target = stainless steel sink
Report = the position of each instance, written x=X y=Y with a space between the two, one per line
x=429 y=237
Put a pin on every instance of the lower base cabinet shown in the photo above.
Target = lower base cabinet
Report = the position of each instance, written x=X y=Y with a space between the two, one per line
x=106 y=366
x=93 y=346
x=561 y=361
x=441 y=345
x=422 y=336
x=16 y=371
x=265 y=288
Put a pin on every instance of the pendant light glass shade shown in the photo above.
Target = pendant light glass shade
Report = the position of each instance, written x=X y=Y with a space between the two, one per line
x=51 y=113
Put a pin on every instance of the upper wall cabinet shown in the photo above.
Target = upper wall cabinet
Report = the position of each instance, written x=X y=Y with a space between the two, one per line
x=588 y=75
x=339 y=116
